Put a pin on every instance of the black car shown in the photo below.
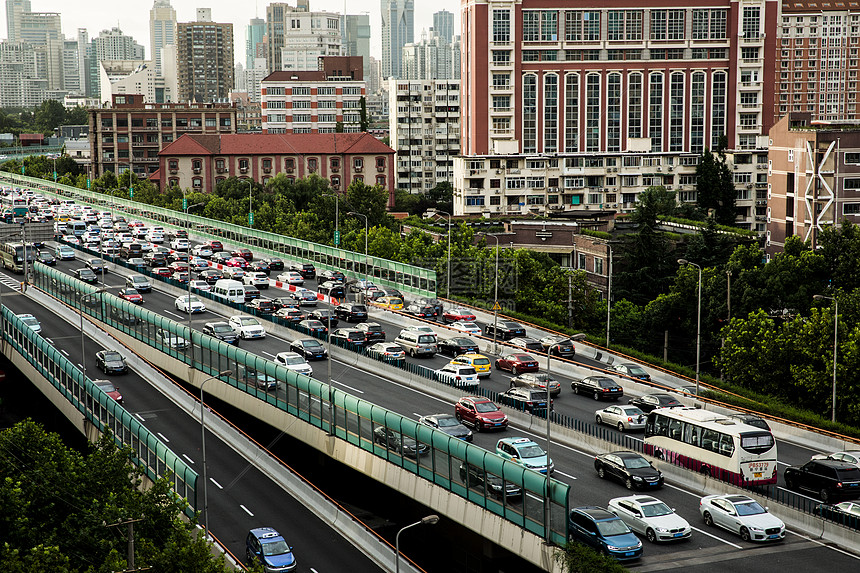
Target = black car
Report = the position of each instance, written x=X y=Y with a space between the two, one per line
x=560 y=345
x=348 y=336
x=262 y=305
x=221 y=331
x=403 y=445
x=97 y=266
x=633 y=371
x=434 y=302
x=86 y=275
x=111 y=362
x=525 y=399
x=122 y=316
x=314 y=327
x=275 y=264
x=48 y=258
x=456 y=346
x=475 y=477
x=325 y=316
x=650 y=402
x=154 y=259
x=504 y=330
x=211 y=276
x=372 y=331
x=449 y=424
x=178 y=257
x=351 y=312
x=333 y=276
x=425 y=311
x=526 y=342
x=310 y=348
x=284 y=302
x=136 y=264
x=332 y=289
x=251 y=292
x=629 y=468
x=751 y=420
x=827 y=479
x=221 y=257
x=259 y=267
x=599 y=387
x=307 y=270
x=291 y=314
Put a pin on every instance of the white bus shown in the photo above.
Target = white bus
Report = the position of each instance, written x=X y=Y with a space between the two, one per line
x=712 y=444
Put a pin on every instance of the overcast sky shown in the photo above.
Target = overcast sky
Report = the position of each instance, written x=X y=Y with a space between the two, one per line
x=133 y=17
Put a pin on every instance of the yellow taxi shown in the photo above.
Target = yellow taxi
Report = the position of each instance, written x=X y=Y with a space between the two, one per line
x=390 y=302
x=479 y=362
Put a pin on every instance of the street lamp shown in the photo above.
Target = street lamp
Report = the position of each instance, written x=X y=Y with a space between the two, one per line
x=203 y=448
x=698 y=321
x=608 y=287
x=81 y=312
x=835 y=341
x=250 y=207
x=448 y=275
x=188 y=208
x=336 y=216
x=429 y=520
x=365 y=251
x=495 y=295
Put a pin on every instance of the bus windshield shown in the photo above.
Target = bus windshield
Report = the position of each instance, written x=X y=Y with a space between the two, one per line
x=757 y=442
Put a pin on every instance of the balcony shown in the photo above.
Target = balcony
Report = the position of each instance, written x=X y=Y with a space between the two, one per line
x=220 y=170
x=380 y=168
x=243 y=169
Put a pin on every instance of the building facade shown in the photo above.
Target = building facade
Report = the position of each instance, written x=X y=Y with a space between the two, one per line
x=255 y=33
x=14 y=9
x=424 y=129
x=356 y=39
x=398 y=29
x=162 y=30
x=813 y=178
x=296 y=37
x=315 y=102
x=249 y=117
x=128 y=134
x=609 y=99
x=199 y=162
x=204 y=56
x=443 y=25
x=433 y=58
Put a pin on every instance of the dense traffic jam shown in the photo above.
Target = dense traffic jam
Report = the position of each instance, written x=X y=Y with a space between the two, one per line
x=740 y=449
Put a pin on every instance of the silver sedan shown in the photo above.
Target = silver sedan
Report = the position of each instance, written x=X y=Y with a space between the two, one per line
x=651 y=517
x=623 y=417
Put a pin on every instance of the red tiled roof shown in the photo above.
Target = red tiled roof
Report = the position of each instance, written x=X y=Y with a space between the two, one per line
x=276 y=144
x=155 y=175
x=304 y=76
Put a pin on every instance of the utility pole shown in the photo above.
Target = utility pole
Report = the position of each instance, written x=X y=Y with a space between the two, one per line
x=131 y=566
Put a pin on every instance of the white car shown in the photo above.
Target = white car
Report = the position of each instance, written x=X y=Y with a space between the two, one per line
x=742 y=515
x=651 y=517
x=295 y=362
x=622 y=416
x=292 y=278
x=247 y=327
x=189 y=304
x=156 y=238
x=468 y=327
x=198 y=264
x=257 y=279
x=459 y=376
x=31 y=321
x=201 y=285
x=419 y=328
x=848 y=456
x=180 y=245
x=202 y=251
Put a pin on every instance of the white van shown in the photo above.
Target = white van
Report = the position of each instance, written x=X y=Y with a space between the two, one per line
x=230 y=290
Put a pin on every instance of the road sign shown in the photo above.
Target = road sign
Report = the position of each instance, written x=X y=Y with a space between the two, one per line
x=496 y=306
x=251 y=218
x=184 y=204
x=88 y=182
x=336 y=238
x=131 y=192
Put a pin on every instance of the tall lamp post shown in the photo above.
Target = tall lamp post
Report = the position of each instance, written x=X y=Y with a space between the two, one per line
x=448 y=275
x=203 y=448
x=495 y=295
x=336 y=216
x=250 y=207
x=835 y=341
x=81 y=312
x=698 y=321
x=608 y=287
x=365 y=251
x=429 y=520
x=186 y=207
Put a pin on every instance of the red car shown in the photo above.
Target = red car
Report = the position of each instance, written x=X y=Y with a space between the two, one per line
x=179 y=267
x=458 y=315
x=131 y=295
x=162 y=272
x=517 y=363
x=244 y=253
x=109 y=389
x=215 y=246
x=238 y=262
x=480 y=413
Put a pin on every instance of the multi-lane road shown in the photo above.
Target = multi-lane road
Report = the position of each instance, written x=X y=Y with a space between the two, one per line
x=708 y=549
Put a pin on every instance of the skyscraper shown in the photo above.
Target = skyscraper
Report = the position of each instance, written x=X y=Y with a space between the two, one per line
x=14 y=9
x=443 y=25
x=162 y=30
x=254 y=34
x=297 y=37
x=204 y=56
x=398 y=29
x=356 y=38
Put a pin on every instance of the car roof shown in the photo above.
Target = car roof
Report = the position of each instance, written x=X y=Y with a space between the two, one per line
x=265 y=533
x=835 y=464
x=518 y=441
x=596 y=513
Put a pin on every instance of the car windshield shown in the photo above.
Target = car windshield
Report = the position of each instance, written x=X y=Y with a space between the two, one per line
x=512 y=325
x=631 y=411
x=113 y=356
x=532 y=451
x=278 y=547
x=749 y=508
x=447 y=422
x=219 y=328
x=656 y=509
x=191 y=298
x=426 y=339
x=295 y=360
x=359 y=308
x=612 y=527
x=392 y=348
x=636 y=463
x=314 y=324
x=29 y=320
x=311 y=343
x=484 y=407
x=480 y=361
x=636 y=370
x=106 y=386
x=248 y=321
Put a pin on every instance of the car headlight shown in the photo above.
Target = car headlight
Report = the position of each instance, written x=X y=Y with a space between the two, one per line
x=662 y=529
x=613 y=548
x=637 y=478
x=756 y=528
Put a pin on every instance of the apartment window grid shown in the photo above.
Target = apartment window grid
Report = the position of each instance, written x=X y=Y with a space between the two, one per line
x=751 y=21
x=613 y=112
x=592 y=112
x=655 y=111
x=582 y=25
x=634 y=105
x=529 y=113
x=501 y=26
x=571 y=112
x=624 y=25
x=676 y=111
x=697 y=113
x=550 y=117
x=501 y=81
x=718 y=108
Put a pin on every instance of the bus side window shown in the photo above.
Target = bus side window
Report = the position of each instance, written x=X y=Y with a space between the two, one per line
x=675 y=429
x=710 y=440
x=661 y=426
x=727 y=446
x=691 y=434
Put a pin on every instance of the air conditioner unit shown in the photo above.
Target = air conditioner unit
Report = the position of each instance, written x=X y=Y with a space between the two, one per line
x=615 y=205
x=749 y=186
x=670 y=168
x=497 y=191
x=659 y=168
x=498 y=171
x=498 y=207
x=668 y=187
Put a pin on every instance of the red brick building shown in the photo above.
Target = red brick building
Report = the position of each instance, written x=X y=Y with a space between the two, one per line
x=199 y=162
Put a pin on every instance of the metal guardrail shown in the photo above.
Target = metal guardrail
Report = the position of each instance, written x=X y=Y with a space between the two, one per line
x=409 y=278
x=148 y=452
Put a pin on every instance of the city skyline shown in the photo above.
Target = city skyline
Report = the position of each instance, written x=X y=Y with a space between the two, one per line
x=134 y=21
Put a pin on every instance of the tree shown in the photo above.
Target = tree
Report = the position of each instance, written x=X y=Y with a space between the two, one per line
x=652 y=203
x=364 y=121
x=369 y=201
x=49 y=115
x=715 y=189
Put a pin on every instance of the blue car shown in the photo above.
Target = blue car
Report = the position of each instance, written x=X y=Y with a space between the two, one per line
x=605 y=532
x=267 y=547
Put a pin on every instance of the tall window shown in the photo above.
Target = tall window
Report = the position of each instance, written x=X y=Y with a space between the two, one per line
x=571 y=112
x=718 y=108
x=549 y=26
x=550 y=113
x=676 y=111
x=613 y=112
x=697 y=113
x=624 y=25
x=592 y=112
x=529 y=113
x=676 y=25
x=719 y=19
x=751 y=21
x=501 y=26
x=658 y=24
x=634 y=105
x=581 y=25
x=531 y=25
x=655 y=111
